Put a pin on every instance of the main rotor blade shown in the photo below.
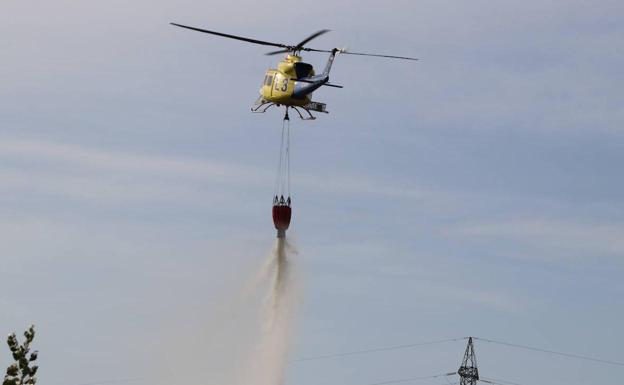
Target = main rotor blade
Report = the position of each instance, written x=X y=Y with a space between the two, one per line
x=299 y=46
x=315 y=50
x=313 y=36
x=377 y=55
x=261 y=42
x=359 y=53
x=277 y=52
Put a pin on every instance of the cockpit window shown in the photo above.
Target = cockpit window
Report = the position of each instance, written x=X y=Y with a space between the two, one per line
x=268 y=80
x=302 y=69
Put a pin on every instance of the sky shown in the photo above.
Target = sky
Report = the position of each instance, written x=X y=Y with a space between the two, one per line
x=478 y=191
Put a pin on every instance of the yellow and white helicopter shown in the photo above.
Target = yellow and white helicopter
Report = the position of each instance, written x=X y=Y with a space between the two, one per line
x=292 y=83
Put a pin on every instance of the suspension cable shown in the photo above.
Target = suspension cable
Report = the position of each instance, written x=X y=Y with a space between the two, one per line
x=280 y=165
x=288 y=156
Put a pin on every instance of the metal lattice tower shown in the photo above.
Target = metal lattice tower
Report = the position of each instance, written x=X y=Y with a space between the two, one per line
x=468 y=371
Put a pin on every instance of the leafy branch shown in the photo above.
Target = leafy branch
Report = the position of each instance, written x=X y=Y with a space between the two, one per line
x=23 y=370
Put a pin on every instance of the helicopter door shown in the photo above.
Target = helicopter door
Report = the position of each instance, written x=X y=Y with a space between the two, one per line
x=275 y=87
x=274 y=84
x=267 y=85
x=280 y=85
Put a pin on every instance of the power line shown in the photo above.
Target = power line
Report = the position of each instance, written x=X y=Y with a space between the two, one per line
x=570 y=355
x=114 y=381
x=410 y=379
x=416 y=344
x=498 y=382
x=381 y=349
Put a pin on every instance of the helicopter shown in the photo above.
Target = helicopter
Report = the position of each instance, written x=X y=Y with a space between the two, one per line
x=292 y=83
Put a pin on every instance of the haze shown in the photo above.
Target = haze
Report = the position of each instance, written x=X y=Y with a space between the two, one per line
x=478 y=191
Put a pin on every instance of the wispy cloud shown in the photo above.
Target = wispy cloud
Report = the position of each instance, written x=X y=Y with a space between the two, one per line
x=94 y=174
x=550 y=238
x=491 y=298
x=114 y=160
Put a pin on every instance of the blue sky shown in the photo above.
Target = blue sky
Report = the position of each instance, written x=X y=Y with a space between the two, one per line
x=475 y=192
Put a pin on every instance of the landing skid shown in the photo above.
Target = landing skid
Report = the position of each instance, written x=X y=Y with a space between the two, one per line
x=261 y=107
x=304 y=112
x=297 y=109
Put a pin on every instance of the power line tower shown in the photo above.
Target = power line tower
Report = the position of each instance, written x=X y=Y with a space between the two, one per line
x=468 y=371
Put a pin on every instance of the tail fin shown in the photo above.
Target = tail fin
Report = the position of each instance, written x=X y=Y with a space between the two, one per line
x=330 y=61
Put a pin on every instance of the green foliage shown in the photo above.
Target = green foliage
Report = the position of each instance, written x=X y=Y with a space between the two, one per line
x=23 y=370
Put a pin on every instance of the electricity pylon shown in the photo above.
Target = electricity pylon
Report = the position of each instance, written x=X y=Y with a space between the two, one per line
x=468 y=371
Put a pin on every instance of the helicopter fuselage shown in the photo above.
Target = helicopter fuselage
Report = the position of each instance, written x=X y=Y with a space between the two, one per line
x=292 y=82
x=279 y=84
